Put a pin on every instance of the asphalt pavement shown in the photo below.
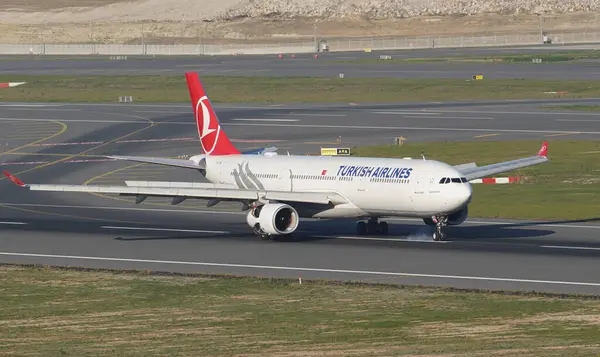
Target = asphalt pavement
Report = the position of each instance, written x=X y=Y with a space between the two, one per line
x=59 y=143
x=351 y=64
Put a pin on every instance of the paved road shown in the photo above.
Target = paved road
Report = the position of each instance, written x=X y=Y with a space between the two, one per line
x=109 y=232
x=327 y=65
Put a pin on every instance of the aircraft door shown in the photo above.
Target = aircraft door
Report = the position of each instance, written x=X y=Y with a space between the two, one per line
x=418 y=196
x=285 y=180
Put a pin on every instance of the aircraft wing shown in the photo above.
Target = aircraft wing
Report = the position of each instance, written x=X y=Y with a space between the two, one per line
x=205 y=191
x=188 y=164
x=471 y=171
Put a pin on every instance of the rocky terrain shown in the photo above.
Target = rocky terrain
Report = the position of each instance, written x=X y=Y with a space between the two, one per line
x=191 y=21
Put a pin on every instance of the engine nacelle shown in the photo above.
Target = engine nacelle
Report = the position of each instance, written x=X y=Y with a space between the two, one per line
x=458 y=217
x=273 y=218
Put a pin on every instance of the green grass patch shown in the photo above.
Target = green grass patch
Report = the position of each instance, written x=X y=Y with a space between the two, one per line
x=585 y=108
x=566 y=187
x=65 y=312
x=223 y=89
x=549 y=57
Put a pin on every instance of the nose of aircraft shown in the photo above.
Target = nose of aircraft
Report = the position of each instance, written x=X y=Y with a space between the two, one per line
x=459 y=195
x=467 y=193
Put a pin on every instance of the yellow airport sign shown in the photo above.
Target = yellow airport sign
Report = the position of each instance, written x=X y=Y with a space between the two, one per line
x=478 y=77
x=335 y=151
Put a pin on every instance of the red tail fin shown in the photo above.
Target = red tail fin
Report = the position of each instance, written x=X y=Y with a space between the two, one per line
x=214 y=141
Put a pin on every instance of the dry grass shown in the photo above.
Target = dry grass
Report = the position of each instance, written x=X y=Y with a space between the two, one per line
x=69 y=313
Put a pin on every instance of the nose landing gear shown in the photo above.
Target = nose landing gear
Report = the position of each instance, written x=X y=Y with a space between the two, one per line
x=440 y=223
x=372 y=226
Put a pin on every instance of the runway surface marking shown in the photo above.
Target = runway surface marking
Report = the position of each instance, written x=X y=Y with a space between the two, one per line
x=48 y=137
x=320 y=270
x=568 y=247
x=445 y=117
x=579 y=120
x=315 y=115
x=484 y=136
x=62 y=162
x=14 y=223
x=549 y=112
x=405 y=113
x=265 y=119
x=190 y=211
x=384 y=239
x=562 y=134
x=164 y=229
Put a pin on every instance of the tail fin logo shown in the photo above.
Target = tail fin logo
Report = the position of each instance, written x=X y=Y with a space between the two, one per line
x=204 y=119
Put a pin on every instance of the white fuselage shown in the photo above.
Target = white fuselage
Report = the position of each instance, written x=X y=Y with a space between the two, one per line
x=373 y=186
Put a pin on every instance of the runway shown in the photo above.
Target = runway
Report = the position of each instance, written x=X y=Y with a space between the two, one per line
x=327 y=65
x=57 y=143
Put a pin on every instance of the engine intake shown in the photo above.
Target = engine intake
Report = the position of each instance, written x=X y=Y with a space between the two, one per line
x=273 y=218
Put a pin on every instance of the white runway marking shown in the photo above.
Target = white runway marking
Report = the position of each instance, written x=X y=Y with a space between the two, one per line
x=163 y=229
x=382 y=239
x=567 y=247
x=445 y=117
x=405 y=113
x=264 y=119
x=320 y=270
x=13 y=223
x=541 y=112
x=191 y=211
x=316 y=115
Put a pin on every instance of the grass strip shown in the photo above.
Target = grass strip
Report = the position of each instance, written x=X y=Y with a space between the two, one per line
x=566 y=187
x=556 y=57
x=585 y=108
x=224 y=89
x=66 y=312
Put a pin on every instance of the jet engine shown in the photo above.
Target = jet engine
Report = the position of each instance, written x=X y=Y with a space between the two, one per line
x=273 y=219
x=458 y=217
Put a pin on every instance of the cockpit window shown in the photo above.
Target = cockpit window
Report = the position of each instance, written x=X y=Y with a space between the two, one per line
x=446 y=180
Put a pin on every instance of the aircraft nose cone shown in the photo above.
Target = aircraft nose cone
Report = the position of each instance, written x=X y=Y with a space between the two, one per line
x=468 y=193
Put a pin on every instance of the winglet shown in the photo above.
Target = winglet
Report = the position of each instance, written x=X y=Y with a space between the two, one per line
x=543 y=150
x=14 y=179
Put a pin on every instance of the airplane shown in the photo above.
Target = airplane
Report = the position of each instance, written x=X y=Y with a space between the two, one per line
x=279 y=190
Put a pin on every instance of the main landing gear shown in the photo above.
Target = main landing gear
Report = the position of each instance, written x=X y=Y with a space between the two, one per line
x=372 y=227
x=440 y=223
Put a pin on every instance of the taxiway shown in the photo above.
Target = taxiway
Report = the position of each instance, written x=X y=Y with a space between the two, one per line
x=59 y=143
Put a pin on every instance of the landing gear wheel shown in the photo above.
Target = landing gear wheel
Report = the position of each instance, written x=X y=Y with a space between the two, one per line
x=372 y=227
x=265 y=236
x=361 y=228
x=440 y=223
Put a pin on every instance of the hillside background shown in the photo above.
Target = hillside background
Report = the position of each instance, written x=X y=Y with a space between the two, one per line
x=222 y=21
